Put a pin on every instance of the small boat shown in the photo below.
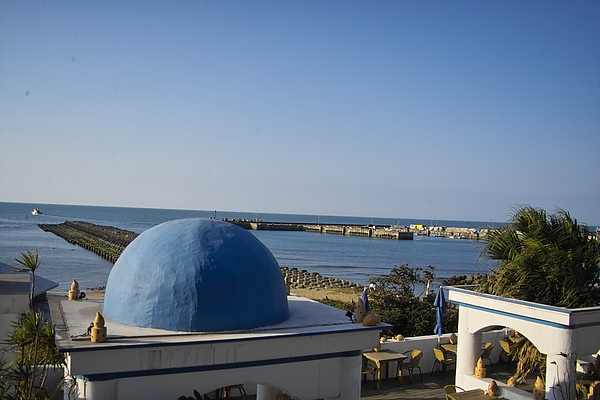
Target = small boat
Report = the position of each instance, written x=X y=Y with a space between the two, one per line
x=36 y=211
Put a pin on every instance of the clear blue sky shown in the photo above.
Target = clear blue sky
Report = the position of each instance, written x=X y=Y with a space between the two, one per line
x=403 y=109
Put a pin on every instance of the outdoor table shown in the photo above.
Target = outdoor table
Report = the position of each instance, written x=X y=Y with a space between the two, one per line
x=384 y=357
x=475 y=394
x=450 y=347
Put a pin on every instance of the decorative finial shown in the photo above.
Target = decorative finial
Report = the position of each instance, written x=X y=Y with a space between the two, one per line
x=99 y=321
x=98 y=331
x=480 y=370
x=539 y=391
x=360 y=311
x=74 y=292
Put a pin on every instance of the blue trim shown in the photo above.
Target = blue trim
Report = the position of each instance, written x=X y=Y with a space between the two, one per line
x=218 y=367
x=537 y=321
x=584 y=325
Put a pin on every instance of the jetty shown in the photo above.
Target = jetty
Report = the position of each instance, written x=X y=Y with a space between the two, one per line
x=106 y=241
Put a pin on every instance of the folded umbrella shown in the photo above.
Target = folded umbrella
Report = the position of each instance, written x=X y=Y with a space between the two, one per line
x=365 y=300
x=440 y=303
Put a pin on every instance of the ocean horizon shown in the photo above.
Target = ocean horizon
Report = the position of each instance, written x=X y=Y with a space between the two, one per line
x=354 y=259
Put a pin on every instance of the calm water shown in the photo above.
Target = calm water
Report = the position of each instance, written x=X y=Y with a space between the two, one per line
x=354 y=259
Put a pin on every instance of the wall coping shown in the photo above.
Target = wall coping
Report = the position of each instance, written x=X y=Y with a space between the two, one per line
x=567 y=317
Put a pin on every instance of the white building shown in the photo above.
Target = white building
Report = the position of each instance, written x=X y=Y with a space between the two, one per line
x=182 y=305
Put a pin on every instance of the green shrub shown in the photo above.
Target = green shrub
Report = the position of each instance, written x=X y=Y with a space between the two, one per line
x=395 y=300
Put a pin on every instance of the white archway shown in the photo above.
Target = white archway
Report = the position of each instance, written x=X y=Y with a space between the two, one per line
x=562 y=334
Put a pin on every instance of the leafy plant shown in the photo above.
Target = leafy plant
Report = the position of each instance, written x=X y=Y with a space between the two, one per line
x=34 y=354
x=395 y=299
x=544 y=259
x=31 y=262
x=532 y=359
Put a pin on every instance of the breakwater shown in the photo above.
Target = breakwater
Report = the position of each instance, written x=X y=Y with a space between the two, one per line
x=106 y=241
x=303 y=279
x=372 y=231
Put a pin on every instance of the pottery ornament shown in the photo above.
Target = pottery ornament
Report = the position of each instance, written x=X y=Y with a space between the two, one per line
x=492 y=389
x=372 y=319
x=360 y=312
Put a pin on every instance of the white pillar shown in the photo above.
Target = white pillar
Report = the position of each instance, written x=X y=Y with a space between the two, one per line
x=560 y=377
x=350 y=377
x=266 y=392
x=101 y=390
x=469 y=349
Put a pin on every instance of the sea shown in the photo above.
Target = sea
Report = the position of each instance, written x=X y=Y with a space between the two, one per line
x=354 y=259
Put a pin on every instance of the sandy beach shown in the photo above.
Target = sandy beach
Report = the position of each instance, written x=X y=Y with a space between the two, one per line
x=333 y=293
x=341 y=294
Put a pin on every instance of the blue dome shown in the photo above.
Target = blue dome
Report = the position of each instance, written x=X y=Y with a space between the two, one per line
x=196 y=275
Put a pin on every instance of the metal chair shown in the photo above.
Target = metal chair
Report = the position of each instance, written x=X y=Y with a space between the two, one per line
x=451 y=389
x=413 y=363
x=505 y=350
x=225 y=392
x=441 y=358
x=368 y=368
x=486 y=353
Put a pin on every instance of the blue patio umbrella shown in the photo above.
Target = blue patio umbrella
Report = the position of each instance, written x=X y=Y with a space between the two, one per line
x=440 y=303
x=365 y=299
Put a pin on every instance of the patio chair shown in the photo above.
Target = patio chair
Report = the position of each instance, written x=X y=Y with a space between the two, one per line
x=415 y=358
x=486 y=353
x=441 y=358
x=505 y=350
x=226 y=392
x=368 y=368
x=451 y=389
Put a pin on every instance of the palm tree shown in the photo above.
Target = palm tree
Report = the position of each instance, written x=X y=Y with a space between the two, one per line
x=548 y=259
x=31 y=262
x=544 y=259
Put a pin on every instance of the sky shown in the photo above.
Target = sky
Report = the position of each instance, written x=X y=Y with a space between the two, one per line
x=453 y=110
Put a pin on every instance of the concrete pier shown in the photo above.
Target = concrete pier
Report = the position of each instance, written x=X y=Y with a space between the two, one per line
x=332 y=229
x=380 y=232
